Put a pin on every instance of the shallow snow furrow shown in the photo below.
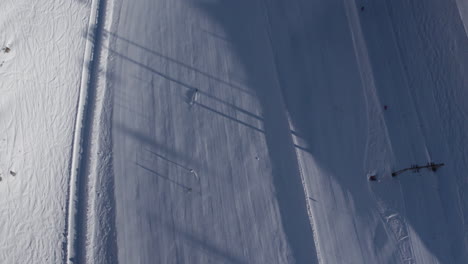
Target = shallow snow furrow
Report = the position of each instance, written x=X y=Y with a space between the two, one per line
x=76 y=229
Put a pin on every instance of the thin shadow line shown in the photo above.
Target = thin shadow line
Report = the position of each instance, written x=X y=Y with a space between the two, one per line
x=152 y=70
x=185 y=85
x=138 y=135
x=231 y=105
x=168 y=160
x=298 y=134
x=181 y=63
x=302 y=148
x=229 y=117
x=203 y=93
x=164 y=177
x=167 y=77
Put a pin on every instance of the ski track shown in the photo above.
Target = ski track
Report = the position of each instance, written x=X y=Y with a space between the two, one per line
x=78 y=195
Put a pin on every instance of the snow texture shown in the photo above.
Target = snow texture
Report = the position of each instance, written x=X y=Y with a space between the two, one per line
x=219 y=131
x=40 y=79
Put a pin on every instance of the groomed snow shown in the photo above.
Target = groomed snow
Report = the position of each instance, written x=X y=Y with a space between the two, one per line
x=218 y=131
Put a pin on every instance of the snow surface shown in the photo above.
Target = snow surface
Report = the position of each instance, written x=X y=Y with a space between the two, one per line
x=39 y=84
x=217 y=131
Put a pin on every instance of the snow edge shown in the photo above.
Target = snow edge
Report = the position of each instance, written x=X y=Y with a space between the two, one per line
x=72 y=209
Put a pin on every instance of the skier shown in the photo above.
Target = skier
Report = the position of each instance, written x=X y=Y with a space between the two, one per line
x=194 y=96
x=194 y=173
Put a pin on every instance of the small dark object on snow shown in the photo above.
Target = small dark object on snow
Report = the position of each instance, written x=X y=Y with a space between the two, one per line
x=373 y=178
x=434 y=166
x=362 y=8
x=0 y=178
x=385 y=107
x=6 y=49
x=13 y=173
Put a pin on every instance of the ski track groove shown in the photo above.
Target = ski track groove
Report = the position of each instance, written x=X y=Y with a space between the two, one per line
x=77 y=197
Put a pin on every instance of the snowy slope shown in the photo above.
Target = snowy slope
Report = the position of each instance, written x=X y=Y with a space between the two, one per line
x=235 y=207
x=344 y=65
x=219 y=131
x=222 y=110
x=39 y=83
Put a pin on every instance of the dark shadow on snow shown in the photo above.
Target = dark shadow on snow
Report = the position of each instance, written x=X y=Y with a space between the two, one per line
x=178 y=63
x=229 y=117
x=318 y=73
x=190 y=91
x=309 y=78
x=239 y=20
x=184 y=187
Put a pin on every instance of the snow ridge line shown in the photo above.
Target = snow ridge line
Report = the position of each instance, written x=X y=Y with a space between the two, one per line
x=310 y=212
x=78 y=171
x=291 y=128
